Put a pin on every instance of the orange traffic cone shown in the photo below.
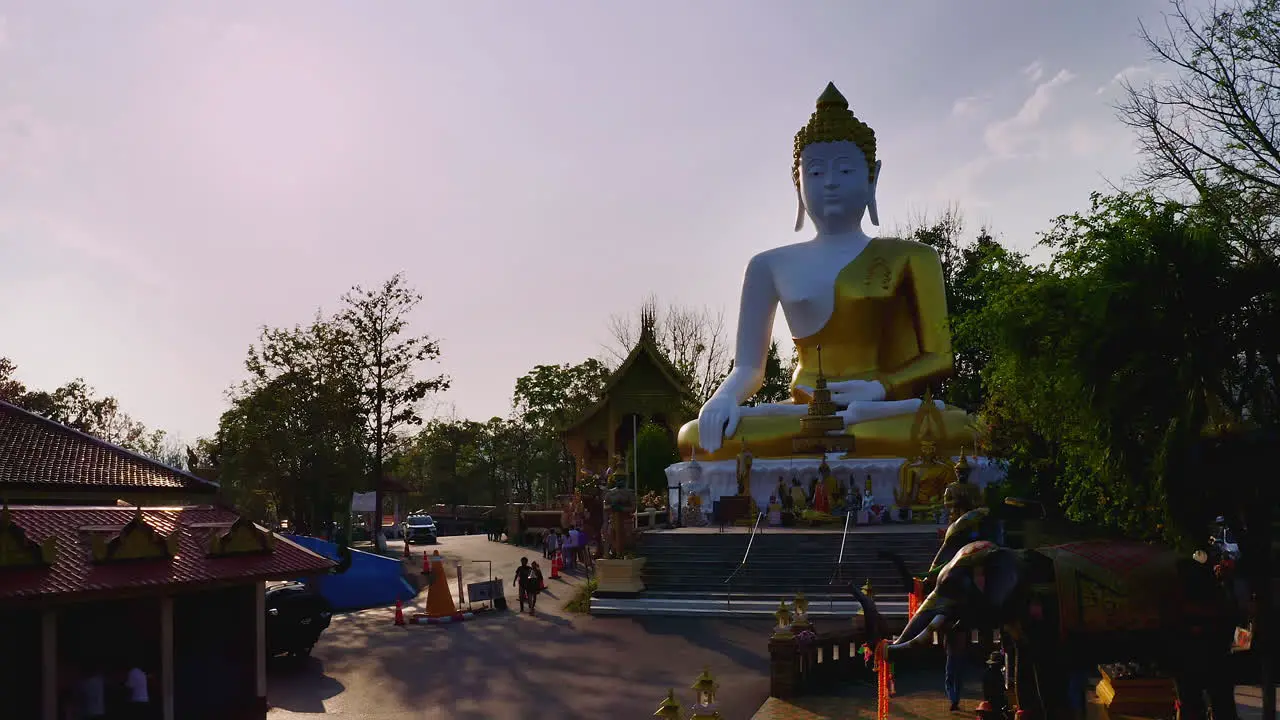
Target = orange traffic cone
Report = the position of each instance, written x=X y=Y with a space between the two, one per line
x=555 y=566
x=439 y=599
x=426 y=564
x=399 y=612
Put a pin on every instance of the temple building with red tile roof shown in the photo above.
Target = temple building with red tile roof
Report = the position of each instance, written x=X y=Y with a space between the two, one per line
x=89 y=583
x=42 y=461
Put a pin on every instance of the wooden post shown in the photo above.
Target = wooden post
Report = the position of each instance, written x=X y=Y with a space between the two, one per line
x=166 y=657
x=49 y=661
x=260 y=643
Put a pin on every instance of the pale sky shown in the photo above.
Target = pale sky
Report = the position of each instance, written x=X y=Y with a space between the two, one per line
x=175 y=175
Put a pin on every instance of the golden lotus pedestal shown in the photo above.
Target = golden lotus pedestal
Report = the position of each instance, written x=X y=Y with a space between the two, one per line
x=821 y=445
x=1141 y=697
x=619 y=576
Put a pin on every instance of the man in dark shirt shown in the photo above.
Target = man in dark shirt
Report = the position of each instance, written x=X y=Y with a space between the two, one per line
x=522 y=579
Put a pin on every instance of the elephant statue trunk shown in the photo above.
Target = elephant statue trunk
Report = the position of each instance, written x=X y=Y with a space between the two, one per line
x=877 y=629
x=920 y=629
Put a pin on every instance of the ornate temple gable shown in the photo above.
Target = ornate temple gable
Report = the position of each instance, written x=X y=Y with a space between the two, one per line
x=18 y=551
x=646 y=374
x=241 y=537
x=136 y=540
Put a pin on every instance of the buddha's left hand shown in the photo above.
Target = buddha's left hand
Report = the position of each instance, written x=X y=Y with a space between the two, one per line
x=848 y=391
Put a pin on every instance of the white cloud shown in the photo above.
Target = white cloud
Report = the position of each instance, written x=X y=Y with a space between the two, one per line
x=1034 y=71
x=1005 y=137
x=1129 y=74
x=967 y=106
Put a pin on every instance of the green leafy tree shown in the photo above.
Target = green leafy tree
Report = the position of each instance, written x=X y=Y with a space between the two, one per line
x=655 y=450
x=777 y=376
x=294 y=443
x=550 y=396
x=545 y=400
x=1107 y=361
x=374 y=324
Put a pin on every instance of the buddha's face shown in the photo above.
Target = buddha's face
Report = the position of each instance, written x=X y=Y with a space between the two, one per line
x=834 y=185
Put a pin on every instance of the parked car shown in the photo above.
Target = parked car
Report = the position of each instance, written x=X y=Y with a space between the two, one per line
x=420 y=528
x=391 y=529
x=296 y=615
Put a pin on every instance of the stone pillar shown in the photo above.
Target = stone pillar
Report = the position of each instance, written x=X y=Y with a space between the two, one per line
x=784 y=667
x=49 y=664
x=166 y=657
x=260 y=647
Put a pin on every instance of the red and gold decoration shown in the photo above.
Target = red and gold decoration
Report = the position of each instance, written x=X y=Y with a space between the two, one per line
x=884 y=680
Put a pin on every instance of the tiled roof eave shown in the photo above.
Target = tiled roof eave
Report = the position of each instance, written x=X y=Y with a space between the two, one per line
x=153 y=589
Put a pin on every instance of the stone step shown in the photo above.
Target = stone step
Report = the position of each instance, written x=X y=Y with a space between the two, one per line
x=770 y=562
x=759 y=605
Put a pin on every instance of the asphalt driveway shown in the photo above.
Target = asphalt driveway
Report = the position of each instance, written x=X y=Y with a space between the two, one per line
x=507 y=665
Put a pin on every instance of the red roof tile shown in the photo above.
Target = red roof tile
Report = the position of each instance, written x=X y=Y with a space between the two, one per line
x=38 y=453
x=74 y=572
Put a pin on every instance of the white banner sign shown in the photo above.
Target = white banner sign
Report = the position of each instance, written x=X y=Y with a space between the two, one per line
x=363 y=502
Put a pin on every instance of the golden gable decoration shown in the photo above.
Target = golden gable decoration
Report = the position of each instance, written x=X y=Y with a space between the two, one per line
x=137 y=540
x=928 y=427
x=19 y=551
x=244 y=537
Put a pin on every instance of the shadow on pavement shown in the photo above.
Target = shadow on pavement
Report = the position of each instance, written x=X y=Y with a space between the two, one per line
x=300 y=684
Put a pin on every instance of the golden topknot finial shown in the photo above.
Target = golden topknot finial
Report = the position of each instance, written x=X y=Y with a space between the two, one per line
x=834 y=122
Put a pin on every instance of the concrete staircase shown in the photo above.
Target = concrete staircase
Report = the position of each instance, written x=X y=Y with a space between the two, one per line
x=688 y=573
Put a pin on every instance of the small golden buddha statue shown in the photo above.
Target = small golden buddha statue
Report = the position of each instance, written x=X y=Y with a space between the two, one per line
x=744 y=470
x=923 y=479
x=876 y=307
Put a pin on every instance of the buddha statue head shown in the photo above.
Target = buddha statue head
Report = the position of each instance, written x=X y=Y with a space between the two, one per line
x=835 y=169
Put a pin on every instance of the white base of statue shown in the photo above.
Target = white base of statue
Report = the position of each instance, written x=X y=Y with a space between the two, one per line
x=713 y=480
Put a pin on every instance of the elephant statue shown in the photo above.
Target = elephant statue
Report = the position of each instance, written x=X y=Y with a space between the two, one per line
x=974 y=525
x=1062 y=609
x=984 y=524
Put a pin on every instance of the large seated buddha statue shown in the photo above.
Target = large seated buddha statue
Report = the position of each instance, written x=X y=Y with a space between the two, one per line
x=875 y=309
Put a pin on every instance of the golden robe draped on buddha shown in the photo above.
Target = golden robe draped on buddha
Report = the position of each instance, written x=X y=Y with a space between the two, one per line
x=888 y=323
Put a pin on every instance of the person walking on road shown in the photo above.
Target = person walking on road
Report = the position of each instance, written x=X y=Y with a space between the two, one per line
x=534 y=586
x=522 y=580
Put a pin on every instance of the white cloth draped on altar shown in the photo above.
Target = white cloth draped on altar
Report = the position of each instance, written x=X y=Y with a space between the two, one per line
x=712 y=480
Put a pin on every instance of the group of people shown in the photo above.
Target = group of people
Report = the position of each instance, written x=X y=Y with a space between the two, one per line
x=529 y=583
x=99 y=692
x=573 y=546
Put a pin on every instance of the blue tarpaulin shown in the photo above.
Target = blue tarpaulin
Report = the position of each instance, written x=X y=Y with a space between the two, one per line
x=371 y=581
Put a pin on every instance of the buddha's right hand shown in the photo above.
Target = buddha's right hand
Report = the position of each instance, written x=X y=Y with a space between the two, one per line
x=717 y=420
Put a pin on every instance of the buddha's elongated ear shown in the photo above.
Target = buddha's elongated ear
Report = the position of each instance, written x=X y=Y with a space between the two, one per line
x=799 y=210
x=871 y=206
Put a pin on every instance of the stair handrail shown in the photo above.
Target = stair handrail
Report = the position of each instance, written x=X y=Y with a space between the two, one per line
x=729 y=580
x=839 y=561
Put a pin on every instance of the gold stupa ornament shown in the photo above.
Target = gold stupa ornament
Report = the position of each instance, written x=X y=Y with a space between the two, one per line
x=670 y=707
x=834 y=122
x=821 y=420
x=783 y=616
x=705 y=686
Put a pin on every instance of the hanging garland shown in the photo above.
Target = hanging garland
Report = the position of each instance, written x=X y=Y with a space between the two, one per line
x=915 y=598
x=885 y=681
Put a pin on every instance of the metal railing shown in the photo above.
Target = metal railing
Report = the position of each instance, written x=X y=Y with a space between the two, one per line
x=729 y=580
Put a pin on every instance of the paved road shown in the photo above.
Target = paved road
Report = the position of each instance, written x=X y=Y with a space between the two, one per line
x=556 y=665
x=501 y=666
